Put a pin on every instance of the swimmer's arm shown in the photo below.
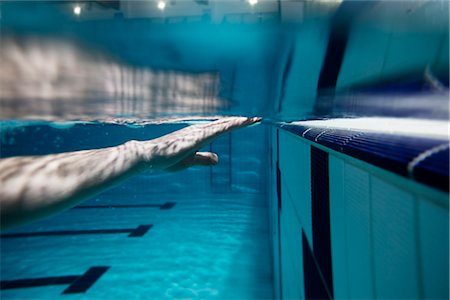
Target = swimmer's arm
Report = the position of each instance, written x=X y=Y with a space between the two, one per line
x=35 y=187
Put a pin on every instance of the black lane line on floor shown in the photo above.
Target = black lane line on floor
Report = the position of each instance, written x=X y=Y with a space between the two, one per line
x=167 y=205
x=77 y=283
x=85 y=281
x=133 y=232
x=35 y=282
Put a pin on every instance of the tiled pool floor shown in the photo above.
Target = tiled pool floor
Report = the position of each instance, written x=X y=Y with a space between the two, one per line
x=204 y=246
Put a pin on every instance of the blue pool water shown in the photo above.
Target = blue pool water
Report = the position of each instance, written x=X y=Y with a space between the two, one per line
x=209 y=237
x=294 y=209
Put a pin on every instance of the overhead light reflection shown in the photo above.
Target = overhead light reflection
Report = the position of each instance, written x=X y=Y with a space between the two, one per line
x=161 y=5
x=333 y=2
x=253 y=2
x=77 y=10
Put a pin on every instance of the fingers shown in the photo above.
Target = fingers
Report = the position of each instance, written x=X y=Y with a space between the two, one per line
x=175 y=147
x=218 y=126
x=238 y=122
x=227 y=124
x=235 y=121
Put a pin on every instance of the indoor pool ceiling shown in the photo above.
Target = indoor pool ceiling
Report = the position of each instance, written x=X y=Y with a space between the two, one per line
x=288 y=11
x=181 y=10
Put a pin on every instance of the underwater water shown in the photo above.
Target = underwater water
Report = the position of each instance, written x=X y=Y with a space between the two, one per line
x=69 y=83
x=204 y=231
x=340 y=192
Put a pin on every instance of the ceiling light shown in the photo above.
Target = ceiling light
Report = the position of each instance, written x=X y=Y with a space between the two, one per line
x=161 y=5
x=253 y=2
x=77 y=10
x=330 y=1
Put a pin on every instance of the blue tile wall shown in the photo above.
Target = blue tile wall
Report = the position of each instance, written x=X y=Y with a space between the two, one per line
x=395 y=252
x=296 y=175
x=338 y=227
x=292 y=276
x=433 y=237
x=389 y=236
x=358 y=232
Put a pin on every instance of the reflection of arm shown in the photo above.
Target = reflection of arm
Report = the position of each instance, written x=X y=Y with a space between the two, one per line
x=35 y=187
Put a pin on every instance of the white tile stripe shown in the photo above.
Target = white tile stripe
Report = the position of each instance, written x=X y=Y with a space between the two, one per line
x=410 y=127
x=424 y=155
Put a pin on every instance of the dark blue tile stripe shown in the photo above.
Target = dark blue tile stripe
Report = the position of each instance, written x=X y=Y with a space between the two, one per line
x=314 y=285
x=279 y=186
x=133 y=232
x=320 y=210
x=278 y=174
x=340 y=25
x=280 y=261
x=387 y=151
x=286 y=72
x=85 y=281
x=333 y=59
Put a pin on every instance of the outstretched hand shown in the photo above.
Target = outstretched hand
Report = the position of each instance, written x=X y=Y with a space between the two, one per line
x=178 y=150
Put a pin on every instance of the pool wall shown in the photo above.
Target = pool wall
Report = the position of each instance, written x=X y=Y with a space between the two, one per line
x=343 y=228
x=363 y=46
x=359 y=226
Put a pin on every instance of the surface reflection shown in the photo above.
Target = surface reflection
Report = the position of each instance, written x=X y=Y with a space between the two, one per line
x=48 y=77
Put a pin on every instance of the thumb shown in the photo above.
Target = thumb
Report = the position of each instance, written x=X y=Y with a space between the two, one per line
x=197 y=159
